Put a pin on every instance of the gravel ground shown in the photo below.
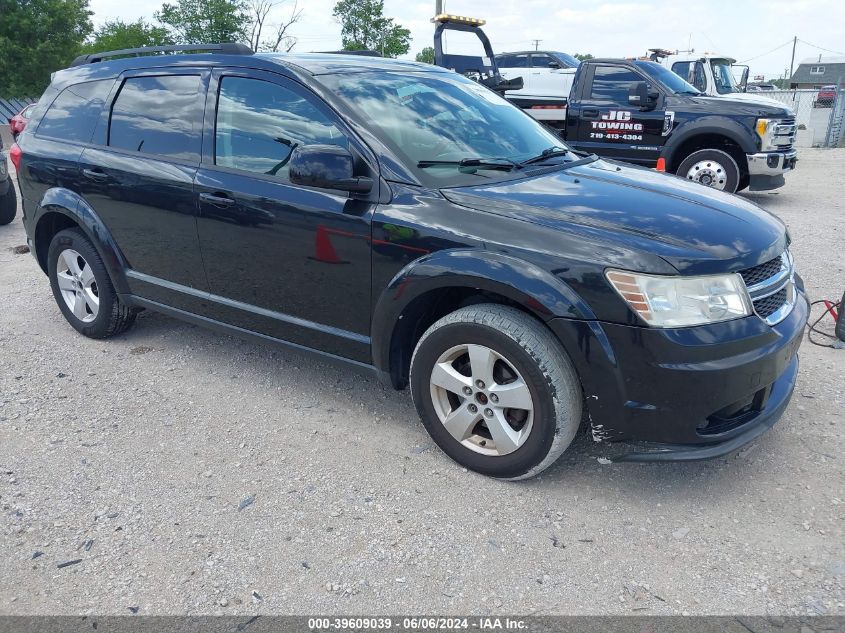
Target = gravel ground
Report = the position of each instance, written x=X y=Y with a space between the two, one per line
x=181 y=471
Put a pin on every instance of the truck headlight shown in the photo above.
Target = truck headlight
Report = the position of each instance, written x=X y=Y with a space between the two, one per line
x=675 y=301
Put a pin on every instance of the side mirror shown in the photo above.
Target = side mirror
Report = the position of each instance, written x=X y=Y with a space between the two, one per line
x=554 y=64
x=641 y=95
x=326 y=167
x=743 y=83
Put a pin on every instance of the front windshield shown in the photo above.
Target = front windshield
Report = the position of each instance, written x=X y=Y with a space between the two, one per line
x=671 y=81
x=437 y=116
x=723 y=77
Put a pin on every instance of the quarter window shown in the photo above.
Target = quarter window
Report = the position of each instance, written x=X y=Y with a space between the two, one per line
x=156 y=115
x=259 y=124
x=75 y=112
x=611 y=84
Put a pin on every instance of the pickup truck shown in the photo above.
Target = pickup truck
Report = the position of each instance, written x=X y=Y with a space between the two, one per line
x=641 y=112
x=547 y=78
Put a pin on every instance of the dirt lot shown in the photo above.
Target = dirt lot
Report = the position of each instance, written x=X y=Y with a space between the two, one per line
x=140 y=456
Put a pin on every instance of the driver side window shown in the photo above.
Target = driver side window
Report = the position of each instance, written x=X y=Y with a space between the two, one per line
x=259 y=124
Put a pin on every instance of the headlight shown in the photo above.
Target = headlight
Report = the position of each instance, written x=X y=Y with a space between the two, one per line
x=669 y=301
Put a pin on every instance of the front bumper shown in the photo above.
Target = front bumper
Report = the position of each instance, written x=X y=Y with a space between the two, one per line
x=766 y=169
x=687 y=393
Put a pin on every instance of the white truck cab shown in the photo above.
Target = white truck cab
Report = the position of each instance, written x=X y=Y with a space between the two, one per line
x=712 y=74
x=547 y=79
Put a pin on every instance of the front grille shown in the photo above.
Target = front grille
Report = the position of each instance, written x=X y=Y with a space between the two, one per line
x=754 y=275
x=767 y=306
x=771 y=288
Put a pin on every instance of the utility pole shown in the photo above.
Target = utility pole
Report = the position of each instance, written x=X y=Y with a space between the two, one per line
x=536 y=44
x=792 y=63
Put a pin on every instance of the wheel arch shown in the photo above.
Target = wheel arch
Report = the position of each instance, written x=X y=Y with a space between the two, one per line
x=438 y=284
x=62 y=209
x=709 y=133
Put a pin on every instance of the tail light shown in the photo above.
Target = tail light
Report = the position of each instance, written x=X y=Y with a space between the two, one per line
x=15 y=154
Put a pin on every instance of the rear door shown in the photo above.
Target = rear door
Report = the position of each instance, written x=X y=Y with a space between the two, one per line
x=139 y=176
x=282 y=259
x=609 y=126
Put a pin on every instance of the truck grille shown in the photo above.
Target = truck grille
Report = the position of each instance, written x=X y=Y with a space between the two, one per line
x=772 y=288
x=784 y=135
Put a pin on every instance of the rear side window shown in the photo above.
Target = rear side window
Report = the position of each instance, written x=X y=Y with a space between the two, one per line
x=75 y=112
x=156 y=115
x=611 y=84
x=512 y=61
x=259 y=124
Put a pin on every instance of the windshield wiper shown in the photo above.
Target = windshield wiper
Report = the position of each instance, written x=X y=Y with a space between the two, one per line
x=503 y=164
x=549 y=152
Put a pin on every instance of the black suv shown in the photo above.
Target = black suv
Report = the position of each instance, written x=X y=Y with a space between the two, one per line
x=406 y=220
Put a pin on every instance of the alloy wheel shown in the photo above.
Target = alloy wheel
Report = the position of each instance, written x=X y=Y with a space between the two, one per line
x=481 y=399
x=78 y=285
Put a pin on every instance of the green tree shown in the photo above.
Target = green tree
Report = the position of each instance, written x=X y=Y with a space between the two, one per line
x=426 y=55
x=38 y=37
x=364 y=27
x=205 y=21
x=583 y=57
x=117 y=34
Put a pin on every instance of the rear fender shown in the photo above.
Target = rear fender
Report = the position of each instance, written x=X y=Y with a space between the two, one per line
x=68 y=204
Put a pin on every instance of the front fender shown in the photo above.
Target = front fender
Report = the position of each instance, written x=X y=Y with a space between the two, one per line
x=71 y=206
x=520 y=281
x=709 y=125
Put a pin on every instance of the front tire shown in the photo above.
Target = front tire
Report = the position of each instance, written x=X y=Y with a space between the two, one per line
x=712 y=168
x=8 y=206
x=496 y=391
x=83 y=289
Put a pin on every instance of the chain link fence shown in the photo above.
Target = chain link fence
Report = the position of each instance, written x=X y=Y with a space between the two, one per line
x=816 y=118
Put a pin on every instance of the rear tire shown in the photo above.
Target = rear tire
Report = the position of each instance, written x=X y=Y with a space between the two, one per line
x=712 y=168
x=490 y=356
x=8 y=205
x=83 y=289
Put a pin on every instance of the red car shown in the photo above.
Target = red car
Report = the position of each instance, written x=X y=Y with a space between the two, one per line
x=825 y=97
x=18 y=122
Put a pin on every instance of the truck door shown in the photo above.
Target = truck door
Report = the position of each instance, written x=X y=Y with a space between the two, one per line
x=611 y=127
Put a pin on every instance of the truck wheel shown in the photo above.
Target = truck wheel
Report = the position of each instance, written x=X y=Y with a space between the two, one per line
x=711 y=167
x=496 y=391
x=83 y=289
x=8 y=205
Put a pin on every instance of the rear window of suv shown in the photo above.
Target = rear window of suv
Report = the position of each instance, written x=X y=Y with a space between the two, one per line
x=75 y=112
x=156 y=115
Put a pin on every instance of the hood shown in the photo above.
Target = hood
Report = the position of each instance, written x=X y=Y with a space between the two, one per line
x=696 y=229
x=758 y=99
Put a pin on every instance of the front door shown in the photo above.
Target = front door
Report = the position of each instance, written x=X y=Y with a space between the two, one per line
x=609 y=126
x=286 y=260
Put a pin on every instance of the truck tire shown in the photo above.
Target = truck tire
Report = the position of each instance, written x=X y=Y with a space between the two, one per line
x=712 y=168
x=470 y=365
x=8 y=205
x=83 y=289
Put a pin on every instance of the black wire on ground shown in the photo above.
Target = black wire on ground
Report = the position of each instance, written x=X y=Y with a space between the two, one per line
x=811 y=327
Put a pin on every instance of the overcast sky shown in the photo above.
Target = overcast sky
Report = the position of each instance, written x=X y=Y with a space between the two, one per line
x=739 y=28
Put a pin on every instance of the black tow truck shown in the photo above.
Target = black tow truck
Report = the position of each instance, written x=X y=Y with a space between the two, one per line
x=640 y=112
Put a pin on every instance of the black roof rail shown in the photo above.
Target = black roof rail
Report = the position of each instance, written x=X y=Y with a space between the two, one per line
x=362 y=52
x=227 y=48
